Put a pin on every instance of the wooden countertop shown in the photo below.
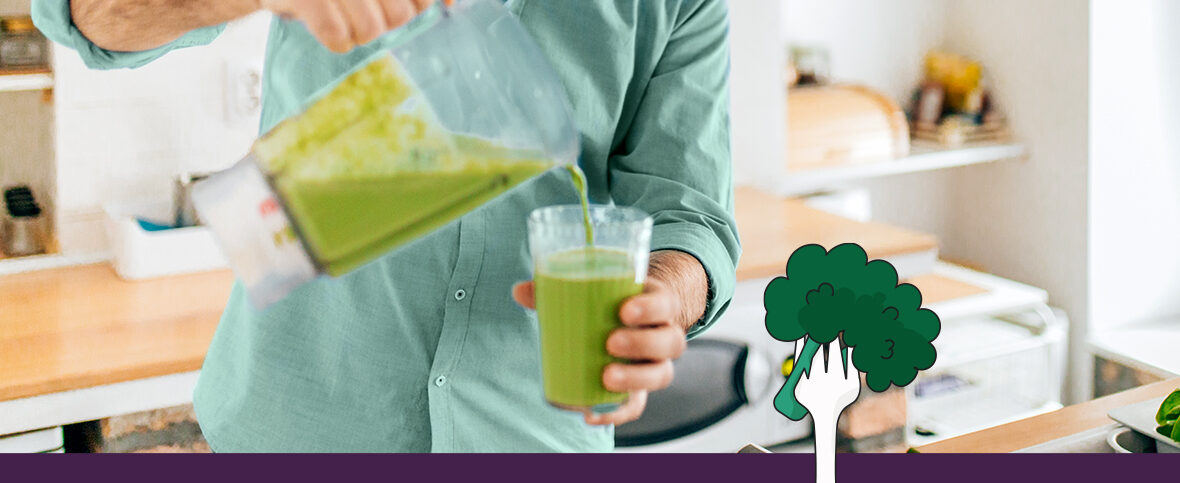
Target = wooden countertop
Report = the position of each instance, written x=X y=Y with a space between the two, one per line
x=80 y=327
x=1049 y=426
x=772 y=227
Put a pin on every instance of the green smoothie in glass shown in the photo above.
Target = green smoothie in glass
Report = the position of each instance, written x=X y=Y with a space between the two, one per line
x=579 y=287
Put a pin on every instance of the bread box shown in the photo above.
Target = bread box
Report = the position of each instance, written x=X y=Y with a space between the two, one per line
x=842 y=124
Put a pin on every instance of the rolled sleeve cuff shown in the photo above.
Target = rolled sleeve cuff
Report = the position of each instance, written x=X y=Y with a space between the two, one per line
x=702 y=243
x=53 y=18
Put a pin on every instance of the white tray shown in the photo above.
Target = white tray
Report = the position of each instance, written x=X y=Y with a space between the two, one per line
x=1141 y=418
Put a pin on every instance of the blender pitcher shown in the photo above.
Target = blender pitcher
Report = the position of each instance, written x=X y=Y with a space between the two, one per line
x=457 y=111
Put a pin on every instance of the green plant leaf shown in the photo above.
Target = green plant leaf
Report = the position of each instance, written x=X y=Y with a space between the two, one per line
x=1170 y=409
x=1170 y=430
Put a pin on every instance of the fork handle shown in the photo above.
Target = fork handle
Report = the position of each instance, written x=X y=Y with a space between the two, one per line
x=824 y=421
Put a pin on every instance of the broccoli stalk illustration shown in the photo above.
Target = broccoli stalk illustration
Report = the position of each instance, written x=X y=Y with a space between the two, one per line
x=877 y=325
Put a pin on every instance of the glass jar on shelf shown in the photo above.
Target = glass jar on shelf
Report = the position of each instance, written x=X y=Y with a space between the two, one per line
x=22 y=47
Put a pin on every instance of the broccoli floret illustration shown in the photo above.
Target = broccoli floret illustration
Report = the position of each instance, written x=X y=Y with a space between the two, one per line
x=840 y=296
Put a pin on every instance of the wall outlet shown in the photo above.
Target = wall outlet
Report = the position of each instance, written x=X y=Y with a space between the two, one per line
x=243 y=92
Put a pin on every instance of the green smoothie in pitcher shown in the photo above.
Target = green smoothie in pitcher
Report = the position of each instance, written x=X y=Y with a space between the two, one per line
x=367 y=168
x=349 y=221
x=578 y=294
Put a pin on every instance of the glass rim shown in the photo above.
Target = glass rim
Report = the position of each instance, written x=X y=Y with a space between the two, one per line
x=630 y=215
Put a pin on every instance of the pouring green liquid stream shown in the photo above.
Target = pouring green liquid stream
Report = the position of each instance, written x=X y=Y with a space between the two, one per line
x=579 y=179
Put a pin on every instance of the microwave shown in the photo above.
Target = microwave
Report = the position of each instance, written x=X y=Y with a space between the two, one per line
x=722 y=397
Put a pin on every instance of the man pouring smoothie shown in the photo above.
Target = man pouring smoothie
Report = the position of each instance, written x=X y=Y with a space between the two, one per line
x=435 y=346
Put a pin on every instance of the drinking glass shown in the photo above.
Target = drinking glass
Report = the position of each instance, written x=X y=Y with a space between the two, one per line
x=579 y=288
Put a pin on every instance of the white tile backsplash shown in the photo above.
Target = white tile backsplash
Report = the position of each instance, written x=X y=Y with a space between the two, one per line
x=123 y=135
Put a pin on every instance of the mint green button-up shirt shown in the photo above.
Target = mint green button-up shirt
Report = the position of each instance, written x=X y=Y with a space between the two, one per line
x=424 y=348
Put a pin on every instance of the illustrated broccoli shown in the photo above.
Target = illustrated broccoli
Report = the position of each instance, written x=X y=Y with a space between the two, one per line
x=839 y=295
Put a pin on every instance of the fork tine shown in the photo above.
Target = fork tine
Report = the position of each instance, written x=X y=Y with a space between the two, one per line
x=846 y=361
x=827 y=357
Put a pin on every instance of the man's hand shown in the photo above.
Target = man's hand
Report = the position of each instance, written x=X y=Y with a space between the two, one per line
x=136 y=25
x=655 y=323
x=342 y=25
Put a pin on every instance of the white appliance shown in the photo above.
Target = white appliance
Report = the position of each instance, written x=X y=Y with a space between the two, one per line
x=1002 y=348
x=723 y=394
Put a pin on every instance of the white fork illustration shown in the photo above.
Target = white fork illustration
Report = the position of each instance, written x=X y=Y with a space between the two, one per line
x=831 y=384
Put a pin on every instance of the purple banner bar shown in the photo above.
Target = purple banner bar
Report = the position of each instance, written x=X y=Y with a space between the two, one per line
x=777 y=468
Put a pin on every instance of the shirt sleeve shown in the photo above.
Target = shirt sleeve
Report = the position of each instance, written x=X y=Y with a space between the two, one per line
x=53 y=18
x=674 y=161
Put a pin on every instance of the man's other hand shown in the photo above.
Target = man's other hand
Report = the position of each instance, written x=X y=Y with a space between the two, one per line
x=342 y=25
x=653 y=332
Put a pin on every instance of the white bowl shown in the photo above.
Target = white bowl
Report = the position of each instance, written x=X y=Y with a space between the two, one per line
x=1127 y=440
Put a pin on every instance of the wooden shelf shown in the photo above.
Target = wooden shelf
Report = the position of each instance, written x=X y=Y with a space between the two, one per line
x=33 y=81
x=923 y=157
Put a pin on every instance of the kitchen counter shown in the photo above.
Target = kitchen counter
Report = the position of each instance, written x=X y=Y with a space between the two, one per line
x=1050 y=426
x=79 y=343
x=78 y=327
x=771 y=228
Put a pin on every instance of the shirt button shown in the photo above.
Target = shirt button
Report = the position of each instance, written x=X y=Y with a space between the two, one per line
x=440 y=380
x=460 y=294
